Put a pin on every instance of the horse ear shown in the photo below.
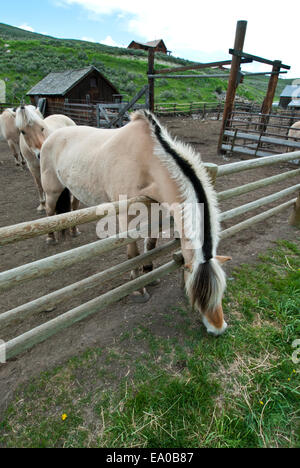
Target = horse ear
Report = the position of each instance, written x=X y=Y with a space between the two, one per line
x=223 y=260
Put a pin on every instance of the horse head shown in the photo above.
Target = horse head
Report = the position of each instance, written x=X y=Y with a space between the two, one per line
x=31 y=125
x=205 y=284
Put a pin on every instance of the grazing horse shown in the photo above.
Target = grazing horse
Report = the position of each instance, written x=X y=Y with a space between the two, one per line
x=294 y=133
x=142 y=159
x=34 y=131
x=11 y=134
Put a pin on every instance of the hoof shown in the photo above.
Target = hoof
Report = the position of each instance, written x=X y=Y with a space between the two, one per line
x=139 y=298
x=50 y=241
x=41 y=208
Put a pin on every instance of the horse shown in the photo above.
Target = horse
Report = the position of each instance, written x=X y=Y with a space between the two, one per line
x=142 y=159
x=34 y=130
x=11 y=134
x=294 y=133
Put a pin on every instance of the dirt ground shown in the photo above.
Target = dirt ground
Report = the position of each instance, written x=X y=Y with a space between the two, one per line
x=18 y=204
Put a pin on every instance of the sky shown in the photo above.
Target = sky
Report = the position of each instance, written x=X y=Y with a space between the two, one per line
x=196 y=30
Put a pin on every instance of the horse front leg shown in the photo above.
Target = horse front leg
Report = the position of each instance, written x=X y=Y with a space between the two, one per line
x=23 y=160
x=141 y=295
x=14 y=151
x=150 y=244
x=36 y=174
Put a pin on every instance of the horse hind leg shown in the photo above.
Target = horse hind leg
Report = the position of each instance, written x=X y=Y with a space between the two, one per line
x=75 y=205
x=57 y=203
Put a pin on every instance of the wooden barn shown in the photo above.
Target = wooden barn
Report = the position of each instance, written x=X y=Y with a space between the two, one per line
x=158 y=45
x=86 y=84
x=289 y=94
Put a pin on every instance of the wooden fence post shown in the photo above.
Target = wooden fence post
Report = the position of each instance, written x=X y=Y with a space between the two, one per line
x=233 y=78
x=268 y=101
x=294 y=219
x=151 y=81
x=212 y=169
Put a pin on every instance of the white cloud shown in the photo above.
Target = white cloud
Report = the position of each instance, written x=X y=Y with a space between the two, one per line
x=26 y=27
x=110 y=42
x=200 y=28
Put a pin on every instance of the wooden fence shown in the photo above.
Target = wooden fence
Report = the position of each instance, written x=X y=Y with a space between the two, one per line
x=256 y=134
x=7 y=105
x=12 y=278
x=204 y=109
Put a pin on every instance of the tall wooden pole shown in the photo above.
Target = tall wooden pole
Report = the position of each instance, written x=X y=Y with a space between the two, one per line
x=268 y=101
x=240 y=35
x=151 y=81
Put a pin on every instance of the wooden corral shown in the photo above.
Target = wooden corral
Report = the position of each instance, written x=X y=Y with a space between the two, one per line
x=254 y=134
x=237 y=77
x=41 y=268
x=84 y=85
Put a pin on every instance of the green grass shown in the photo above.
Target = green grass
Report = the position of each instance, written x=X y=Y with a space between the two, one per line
x=29 y=57
x=170 y=385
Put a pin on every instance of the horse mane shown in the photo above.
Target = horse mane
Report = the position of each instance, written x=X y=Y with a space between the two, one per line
x=206 y=282
x=27 y=116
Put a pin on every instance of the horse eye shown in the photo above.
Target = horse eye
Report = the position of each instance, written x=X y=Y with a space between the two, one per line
x=23 y=133
x=42 y=129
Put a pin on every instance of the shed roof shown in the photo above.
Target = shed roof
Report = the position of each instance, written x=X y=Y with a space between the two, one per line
x=150 y=43
x=291 y=91
x=59 y=83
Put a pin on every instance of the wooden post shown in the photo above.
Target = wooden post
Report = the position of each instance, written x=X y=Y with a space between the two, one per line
x=268 y=101
x=233 y=78
x=151 y=81
x=294 y=219
x=212 y=169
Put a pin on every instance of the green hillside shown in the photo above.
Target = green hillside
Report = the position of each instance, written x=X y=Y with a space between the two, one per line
x=26 y=57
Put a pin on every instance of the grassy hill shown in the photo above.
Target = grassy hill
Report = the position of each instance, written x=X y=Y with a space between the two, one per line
x=26 y=57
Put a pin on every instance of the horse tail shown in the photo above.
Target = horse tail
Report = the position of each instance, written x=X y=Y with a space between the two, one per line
x=208 y=285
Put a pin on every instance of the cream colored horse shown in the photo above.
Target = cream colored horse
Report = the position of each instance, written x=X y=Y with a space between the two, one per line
x=141 y=159
x=34 y=131
x=294 y=133
x=11 y=134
